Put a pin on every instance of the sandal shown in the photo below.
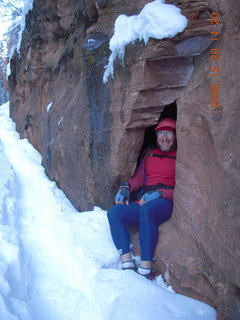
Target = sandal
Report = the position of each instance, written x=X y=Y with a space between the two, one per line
x=150 y=276
x=130 y=265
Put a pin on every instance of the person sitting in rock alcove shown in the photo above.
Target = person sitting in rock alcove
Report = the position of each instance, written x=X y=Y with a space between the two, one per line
x=154 y=181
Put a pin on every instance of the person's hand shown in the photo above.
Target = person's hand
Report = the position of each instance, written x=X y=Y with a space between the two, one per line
x=123 y=195
x=150 y=195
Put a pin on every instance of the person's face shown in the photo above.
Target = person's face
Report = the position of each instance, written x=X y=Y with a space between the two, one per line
x=166 y=140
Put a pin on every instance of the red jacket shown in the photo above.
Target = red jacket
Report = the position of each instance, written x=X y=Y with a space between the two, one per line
x=154 y=170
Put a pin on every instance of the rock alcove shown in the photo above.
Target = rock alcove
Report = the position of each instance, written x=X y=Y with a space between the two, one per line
x=90 y=134
x=149 y=139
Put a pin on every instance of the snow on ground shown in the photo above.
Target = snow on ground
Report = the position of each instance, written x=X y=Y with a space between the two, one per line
x=60 y=264
x=156 y=20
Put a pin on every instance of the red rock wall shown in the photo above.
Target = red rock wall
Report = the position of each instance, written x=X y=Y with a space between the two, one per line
x=91 y=136
x=208 y=160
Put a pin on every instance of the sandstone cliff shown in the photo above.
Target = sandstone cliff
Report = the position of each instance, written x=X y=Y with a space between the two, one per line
x=90 y=133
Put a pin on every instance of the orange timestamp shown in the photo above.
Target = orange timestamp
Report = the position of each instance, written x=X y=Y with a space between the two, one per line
x=215 y=70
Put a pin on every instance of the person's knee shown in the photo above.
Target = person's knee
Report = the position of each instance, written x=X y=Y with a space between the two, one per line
x=114 y=213
x=110 y=213
x=144 y=213
x=149 y=211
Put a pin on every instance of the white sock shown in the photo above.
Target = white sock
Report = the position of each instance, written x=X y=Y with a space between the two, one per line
x=127 y=264
x=144 y=271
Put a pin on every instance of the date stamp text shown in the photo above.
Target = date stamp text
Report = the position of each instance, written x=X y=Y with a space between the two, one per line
x=215 y=69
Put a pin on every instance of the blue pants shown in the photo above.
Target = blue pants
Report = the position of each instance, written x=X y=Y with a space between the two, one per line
x=147 y=217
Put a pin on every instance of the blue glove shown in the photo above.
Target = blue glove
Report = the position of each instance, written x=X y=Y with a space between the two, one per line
x=123 y=194
x=151 y=195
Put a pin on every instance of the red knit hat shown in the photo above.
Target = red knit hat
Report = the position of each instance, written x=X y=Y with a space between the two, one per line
x=166 y=124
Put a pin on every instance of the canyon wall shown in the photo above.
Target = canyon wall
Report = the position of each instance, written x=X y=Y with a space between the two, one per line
x=90 y=133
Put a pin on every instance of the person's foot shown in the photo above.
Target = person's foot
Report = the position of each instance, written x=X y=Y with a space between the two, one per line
x=129 y=265
x=148 y=273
